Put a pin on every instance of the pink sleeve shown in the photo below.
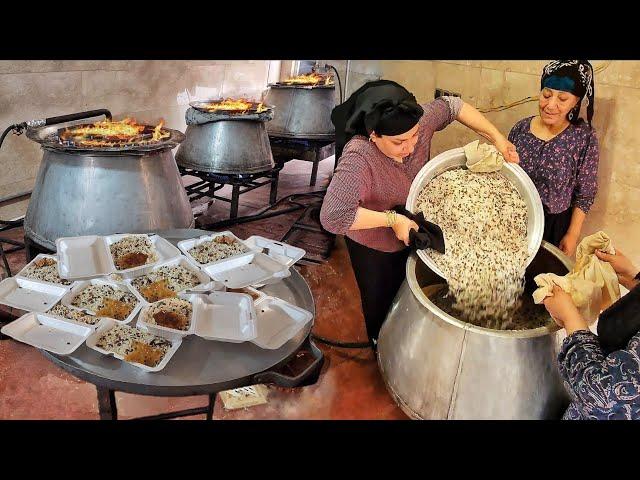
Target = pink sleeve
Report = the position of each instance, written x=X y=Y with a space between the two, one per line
x=350 y=183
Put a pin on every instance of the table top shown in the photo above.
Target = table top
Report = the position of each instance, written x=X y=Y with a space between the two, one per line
x=199 y=366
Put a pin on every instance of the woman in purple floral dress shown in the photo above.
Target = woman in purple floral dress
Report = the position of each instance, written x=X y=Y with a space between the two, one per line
x=559 y=150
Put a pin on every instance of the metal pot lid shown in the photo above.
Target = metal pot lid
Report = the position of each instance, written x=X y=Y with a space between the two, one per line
x=301 y=86
x=252 y=108
x=50 y=138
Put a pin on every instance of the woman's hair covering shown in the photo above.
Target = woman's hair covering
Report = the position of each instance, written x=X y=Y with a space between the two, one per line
x=573 y=76
x=383 y=106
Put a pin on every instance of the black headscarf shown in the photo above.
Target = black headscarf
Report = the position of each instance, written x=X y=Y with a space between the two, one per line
x=573 y=76
x=382 y=106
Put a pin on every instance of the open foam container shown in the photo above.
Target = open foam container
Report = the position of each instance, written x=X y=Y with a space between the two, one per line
x=30 y=295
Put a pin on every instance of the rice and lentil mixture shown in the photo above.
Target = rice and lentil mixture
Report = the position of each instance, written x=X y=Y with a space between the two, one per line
x=45 y=269
x=219 y=248
x=484 y=221
x=176 y=311
x=93 y=297
x=72 y=314
x=133 y=250
x=120 y=340
x=177 y=278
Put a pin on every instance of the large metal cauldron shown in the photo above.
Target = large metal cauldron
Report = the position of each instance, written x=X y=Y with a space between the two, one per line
x=438 y=367
x=101 y=192
x=226 y=146
x=302 y=111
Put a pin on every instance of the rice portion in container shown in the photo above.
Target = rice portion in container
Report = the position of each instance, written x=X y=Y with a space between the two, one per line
x=45 y=269
x=219 y=248
x=133 y=251
x=72 y=314
x=484 y=221
x=165 y=282
x=106 y=301
x=172 y=313
x=134 y=345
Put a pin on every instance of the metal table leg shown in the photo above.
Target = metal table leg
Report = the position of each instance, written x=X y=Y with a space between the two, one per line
x=273 y=195
x=314 y=170
x=107 y=404
x=235 y=197
x=212 y=402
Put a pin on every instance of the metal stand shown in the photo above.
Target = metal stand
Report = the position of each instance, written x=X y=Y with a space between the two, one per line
x=212 y=182
x=109 y=410
x=286 y=149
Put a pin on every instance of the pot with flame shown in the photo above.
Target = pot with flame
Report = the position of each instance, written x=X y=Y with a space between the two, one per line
x=303 y=107
x=105 y=177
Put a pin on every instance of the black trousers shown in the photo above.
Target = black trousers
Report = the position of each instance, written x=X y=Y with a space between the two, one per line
x=556 y=225
x=379 y=276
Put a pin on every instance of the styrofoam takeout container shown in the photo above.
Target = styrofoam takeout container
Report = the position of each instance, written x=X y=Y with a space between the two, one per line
x=186 y=245
x=278 y=322
x=30 y=295
x=80 y=286
x=286 y=254
x=21 y=273
x=48 y=332
x=251 y=291
x=87 y=257
x=107 y=323
x=205 y=281
x=243 y=271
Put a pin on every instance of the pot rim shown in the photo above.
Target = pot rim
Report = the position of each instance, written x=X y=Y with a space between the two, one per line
x=412 y=262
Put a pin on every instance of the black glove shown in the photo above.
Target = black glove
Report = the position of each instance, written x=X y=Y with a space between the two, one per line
x=428 y=236
x=620 y=322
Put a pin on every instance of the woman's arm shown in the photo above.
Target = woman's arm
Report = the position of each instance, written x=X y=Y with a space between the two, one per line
x=476 y=121
x=366 y=218
x=584 y=194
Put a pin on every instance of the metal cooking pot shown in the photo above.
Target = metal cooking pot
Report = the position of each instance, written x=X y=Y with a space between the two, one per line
x=438 y=367
x=456 y=158
x=101 y=191
x=302 y=111
x=226 y=146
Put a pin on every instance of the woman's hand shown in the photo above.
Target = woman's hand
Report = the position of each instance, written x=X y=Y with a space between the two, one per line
x=568 y=244
x=562 y=309
x=623 y=267
x=402 y=227
x=508 y=150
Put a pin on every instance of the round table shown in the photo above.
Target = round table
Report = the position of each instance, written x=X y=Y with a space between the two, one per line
x=199 y=366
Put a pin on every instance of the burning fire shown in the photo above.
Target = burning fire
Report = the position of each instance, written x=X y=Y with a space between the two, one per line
x=113 y=134
x=310 y=79
x=232 y=105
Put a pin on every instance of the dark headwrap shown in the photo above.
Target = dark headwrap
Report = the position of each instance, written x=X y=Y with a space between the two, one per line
x=573 y=76
x=382 y=106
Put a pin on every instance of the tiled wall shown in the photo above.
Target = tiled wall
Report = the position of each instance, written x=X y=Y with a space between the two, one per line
x=486 y=84
x=146 y=90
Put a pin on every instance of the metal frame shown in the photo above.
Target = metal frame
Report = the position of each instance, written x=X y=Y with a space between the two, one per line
x=303 y=144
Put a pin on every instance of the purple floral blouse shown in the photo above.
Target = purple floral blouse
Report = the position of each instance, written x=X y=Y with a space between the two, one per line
x=563 y=169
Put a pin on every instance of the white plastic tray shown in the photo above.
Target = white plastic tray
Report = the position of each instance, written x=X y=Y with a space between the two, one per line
x=107 y=323
x=21 y=273
x=278 y=322
x=87 y=257
x=205 y=282
x=186 y=245
x=82 y=258
x=49 y=333
x=166 y=331
x=251 y=291
x=80 y=286
x=251 y=269
x=286 y=254
x=225 y=316
x=30 y=295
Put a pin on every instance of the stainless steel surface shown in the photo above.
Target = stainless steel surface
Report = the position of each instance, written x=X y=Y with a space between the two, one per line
x=438 y=367
x=48 y=138
x=301 y=112
x=95 y=194
x=199 y=366
x=226 y=146
x=456 y=158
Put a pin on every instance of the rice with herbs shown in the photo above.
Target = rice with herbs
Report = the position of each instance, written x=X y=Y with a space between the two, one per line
x=46 y=270
x=133 y=245
x=175 y=306
x=73 y=314
x=484 y=221
x=219 y=248
x=93 y=297
x=120 y=338
x=178 y=278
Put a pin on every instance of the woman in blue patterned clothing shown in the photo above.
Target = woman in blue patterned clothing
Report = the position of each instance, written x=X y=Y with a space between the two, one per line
x=602 y=373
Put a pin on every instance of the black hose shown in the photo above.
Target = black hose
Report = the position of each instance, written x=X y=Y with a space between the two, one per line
x=339 y=81
x=335 y=343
